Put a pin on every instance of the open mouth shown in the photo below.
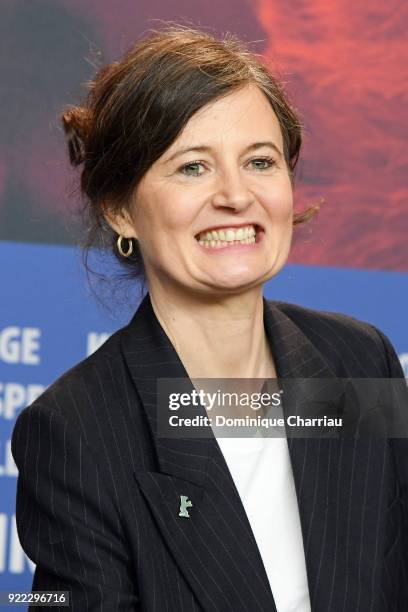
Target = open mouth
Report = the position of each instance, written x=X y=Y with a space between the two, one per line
x=230 y=236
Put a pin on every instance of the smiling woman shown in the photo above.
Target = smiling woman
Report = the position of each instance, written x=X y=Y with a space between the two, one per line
x=187 y=148
x=137 y=108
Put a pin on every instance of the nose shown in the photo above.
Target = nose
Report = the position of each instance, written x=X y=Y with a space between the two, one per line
x=231 y=191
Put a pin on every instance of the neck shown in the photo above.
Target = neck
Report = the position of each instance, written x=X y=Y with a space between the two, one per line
x=217 y=338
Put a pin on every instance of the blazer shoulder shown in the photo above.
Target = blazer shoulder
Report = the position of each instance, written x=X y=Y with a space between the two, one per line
x=305 y=317
x=345 y=337
x=93 y=377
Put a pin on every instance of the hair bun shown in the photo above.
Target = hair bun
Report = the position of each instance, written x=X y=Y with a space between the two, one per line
x=74 y=122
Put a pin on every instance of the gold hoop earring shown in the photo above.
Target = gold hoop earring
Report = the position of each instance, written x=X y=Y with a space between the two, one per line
x=129 y=249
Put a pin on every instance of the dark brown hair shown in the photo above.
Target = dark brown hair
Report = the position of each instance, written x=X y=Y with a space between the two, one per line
x=136 y=107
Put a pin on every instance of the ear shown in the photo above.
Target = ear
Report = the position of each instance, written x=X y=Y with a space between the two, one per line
x=120 y=221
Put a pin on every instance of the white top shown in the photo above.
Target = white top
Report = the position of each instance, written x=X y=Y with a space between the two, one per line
x=261 y=470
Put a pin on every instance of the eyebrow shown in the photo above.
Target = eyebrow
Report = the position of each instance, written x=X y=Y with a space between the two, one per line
x=208 y=149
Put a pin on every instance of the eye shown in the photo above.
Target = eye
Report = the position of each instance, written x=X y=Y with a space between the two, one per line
x=263 y=163
x=190 y=169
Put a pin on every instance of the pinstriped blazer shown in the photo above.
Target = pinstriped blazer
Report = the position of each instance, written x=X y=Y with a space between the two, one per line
x=99 y=492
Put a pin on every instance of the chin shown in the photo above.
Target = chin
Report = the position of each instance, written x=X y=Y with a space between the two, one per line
x=245 y=277
x=236 y=283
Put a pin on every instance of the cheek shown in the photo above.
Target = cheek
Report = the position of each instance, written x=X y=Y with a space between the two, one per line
x=147 y=221
x=164 y=213
x=280 y=207
x=161 y=225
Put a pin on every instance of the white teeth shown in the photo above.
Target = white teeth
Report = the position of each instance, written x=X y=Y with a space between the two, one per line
x=217 y=244
x=218 y=238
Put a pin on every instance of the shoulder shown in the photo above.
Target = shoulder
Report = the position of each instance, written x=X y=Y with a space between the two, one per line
x=93 y=395
x=345 y=339
x=94 y=405
x=89 y=372
x=311 y=320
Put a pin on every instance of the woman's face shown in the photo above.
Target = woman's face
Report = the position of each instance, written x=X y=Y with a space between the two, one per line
x=214 y=213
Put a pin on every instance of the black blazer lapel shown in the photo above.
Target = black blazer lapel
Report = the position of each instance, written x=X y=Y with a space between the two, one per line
x=338 y=483
x=214 y=548
x=296 y=358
